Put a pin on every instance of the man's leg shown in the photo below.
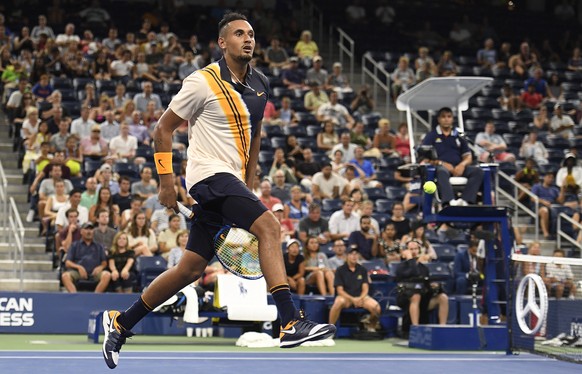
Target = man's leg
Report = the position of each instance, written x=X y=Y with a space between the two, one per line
x=461 y=285
x=444 y=185
x=474 y=174
x=104 y=278
x=545 y=221
x=339 y=303
x=414 y=309
x=68 y=282
x=372 y=306
x=442 y=301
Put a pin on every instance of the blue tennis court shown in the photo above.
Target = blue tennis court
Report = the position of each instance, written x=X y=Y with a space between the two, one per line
x=281 y=363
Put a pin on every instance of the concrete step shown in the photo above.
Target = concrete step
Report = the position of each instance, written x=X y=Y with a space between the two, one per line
x=30 y=285
x=28 y=248
x=48 y=275
x=29 y=265
x=28 y=256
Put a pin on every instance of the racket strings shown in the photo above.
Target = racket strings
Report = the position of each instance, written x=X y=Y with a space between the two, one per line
x=238 y=251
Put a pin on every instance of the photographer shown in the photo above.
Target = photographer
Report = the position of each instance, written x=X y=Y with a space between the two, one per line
x=467 y=269
x=362 y=103
x=415 y=292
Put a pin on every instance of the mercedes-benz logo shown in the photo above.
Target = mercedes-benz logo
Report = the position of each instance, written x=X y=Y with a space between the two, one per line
x=527 y=305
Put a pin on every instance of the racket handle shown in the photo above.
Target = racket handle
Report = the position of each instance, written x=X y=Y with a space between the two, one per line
x=185 y=211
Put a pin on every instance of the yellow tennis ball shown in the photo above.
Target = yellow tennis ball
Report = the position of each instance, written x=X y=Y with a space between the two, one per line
x=430 y=187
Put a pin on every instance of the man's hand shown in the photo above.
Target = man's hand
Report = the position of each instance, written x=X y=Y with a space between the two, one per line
x=167 y=195
x=359 y=302
x=459 y=170
x=82 y=272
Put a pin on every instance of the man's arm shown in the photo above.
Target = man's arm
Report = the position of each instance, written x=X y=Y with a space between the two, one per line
x=169 y=121
x=251 y=168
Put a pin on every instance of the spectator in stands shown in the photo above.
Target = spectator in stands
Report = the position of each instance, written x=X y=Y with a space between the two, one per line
x=121 y=69
x=83 y=125
x=424 y=72
x=124 y=145
x=167 y=70
x=293 y=149
x=345 y=145
x=287 y=227
x=187 y=67
x=160 y=219
x=293 y=77
x=317 y=270
x=355 y=14
x=168 y=238
x=306 y=168
x=266 y=198
x=363 y=103
x=555 y=89
x=138 y=129
x=69 y=234
x=306 y=49
x=399 y=220
x=105 y=178
x=42 y=28
x=352 y=288
x=285 y=115
x=446 y=66
x=402 y=77
x=460 y=36
x=42 y=89
x=569 y=168
x=104 y=233
x=562 y=124
x=123 y=198
x=314 y=225
x=534 y=249
x=295 y=266
x=559 y=278
x=402 y=142
x=337 y=80
x=54 y=202
x=333 y=109
x=120 y=261
x=33 y=144
x=276 y=56
x=327 y=138
x=548 y=195
x=112 y=40
x=454 y=159
x=360 y=138
x=136 y=206
x=384 y=141
x=351 y=181
x=73 y=157
x=364 y=169
x=508 y=100
x=492 y=146
x=527 y=177
x=344 y=221
x=467 y=268
x=315 y=97
x=104 y=201
x=297 y=207
x=120 y=98
x=416 y=295
x=89 y=197
x=520 y=63
x=86 y=260
x=541 y=120
x=97 y=113
x=326 y=184
x=340 y=256
x=47 y=186
x=317 y=72
x=285 y=165
x=384 y=13
x=280 y=189
x=109 y=127
x=388 y=245
x=487 y=56
x=141 y=99
x=364 y=240
x=418 y=233
x=424 y=60
x=142 y=238
x=202 y=59
x=146 y=186
x=540 y=84
x=94 y=146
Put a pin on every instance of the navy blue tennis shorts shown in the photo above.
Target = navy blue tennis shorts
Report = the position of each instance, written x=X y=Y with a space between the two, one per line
x=223 y=199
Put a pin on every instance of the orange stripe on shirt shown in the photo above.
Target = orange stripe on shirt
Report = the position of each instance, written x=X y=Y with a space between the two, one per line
x=235 y=111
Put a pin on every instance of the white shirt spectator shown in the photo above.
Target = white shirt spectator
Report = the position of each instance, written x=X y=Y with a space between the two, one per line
x=121 y=68
x=62 y=215
x=82 y=127
x=348 y=154
x=564 y=120
x=339 y=223
x=326 y=186
x=121 y=146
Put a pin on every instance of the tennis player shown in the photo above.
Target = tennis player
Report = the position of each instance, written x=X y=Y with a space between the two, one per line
x=223 y=104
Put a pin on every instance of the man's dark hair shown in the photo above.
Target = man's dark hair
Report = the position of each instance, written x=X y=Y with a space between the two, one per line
x=124 y=178
x=444 y=110
x=76 y=190
x=69 y=211
x=229 y=17
x=313 y=206
x=365 y=217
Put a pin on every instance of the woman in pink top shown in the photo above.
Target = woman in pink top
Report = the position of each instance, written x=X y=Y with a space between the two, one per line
x=402 y=144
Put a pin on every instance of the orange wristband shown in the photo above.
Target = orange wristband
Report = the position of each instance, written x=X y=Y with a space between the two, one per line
x=164 y=162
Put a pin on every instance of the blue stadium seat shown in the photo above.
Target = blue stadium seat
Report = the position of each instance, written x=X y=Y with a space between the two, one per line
x=331 y=205
x=126 y=169
x=278 y=142
x=383 y=205
x=395 y=193
x=149 y=268
x=445 y=252
x=438 y=271
x=377 y=269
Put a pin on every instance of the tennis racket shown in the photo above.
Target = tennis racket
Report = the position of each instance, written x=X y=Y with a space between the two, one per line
x=236 y=249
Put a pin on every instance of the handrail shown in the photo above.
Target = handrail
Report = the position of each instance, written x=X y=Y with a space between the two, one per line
x=517 y=204
x=4 y=202
x=377 y=82
x=348 y=50
x=563 y=234
x=16 y=230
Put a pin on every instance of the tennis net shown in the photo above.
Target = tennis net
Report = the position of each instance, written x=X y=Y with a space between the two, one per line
x=546 y=295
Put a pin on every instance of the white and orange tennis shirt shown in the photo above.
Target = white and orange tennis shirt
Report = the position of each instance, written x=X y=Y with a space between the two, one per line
x=222 y=118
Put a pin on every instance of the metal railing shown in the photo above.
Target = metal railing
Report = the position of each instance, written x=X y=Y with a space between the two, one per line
x=374 y=71
x=15 y=230
x=562 y=234
x=312 y=20
x=346 y=46
x=517 y=205
x=4 y=202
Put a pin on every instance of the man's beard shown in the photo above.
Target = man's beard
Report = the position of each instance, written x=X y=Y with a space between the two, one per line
x=244 y=58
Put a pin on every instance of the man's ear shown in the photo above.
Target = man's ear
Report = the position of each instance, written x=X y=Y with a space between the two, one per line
x=221 y=42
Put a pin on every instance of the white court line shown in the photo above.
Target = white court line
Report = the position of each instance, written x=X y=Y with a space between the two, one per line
x=227 y=358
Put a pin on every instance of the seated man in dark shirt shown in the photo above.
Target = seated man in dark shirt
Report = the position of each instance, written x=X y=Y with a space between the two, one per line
x=363 y=239
x=454 y=160
x=352 y=286
x=416 y=294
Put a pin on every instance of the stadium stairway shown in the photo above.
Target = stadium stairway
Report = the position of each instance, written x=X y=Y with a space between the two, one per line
x=38 y=271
